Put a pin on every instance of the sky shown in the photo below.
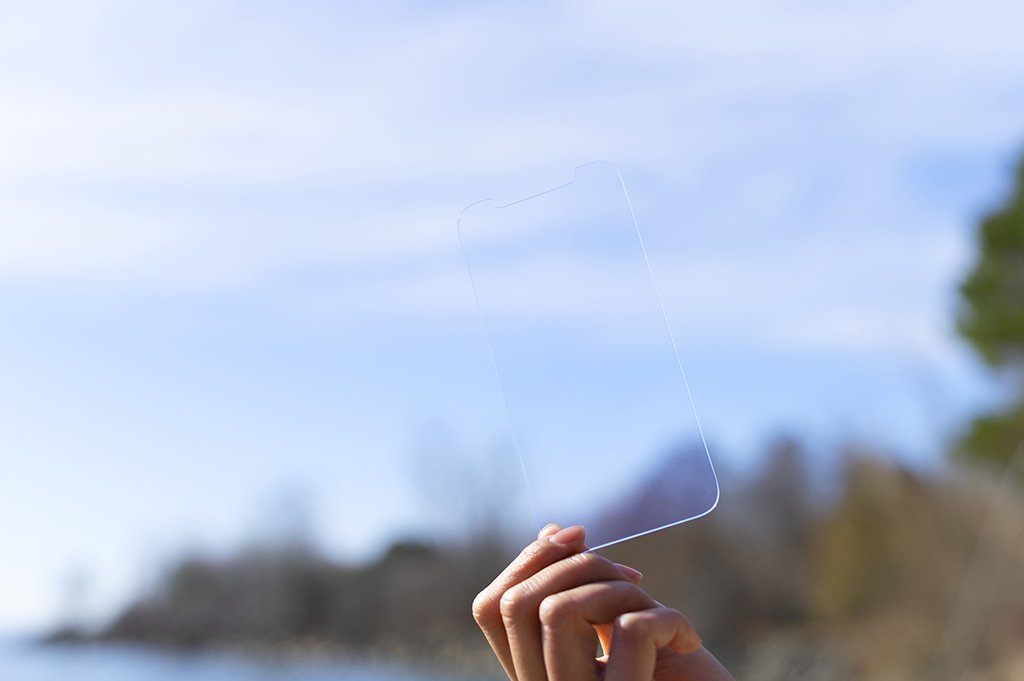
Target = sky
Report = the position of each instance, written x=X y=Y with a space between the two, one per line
x=229 y=265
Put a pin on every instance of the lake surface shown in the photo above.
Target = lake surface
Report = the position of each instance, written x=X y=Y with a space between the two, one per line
x=26 y=662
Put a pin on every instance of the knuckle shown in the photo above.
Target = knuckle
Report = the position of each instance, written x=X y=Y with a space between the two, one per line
x=631 y=625
x=514 y=602
x=588 y=561
x=675 y=617
x=556 y=609
x=534 y=551
x=678 y=619
x=533 y=556
x=484 y=610
x=526 y=557
x=682 y=623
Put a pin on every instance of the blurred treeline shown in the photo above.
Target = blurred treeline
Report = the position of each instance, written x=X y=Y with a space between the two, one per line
x=885 y=573
x=893 y=574
x=410 y=601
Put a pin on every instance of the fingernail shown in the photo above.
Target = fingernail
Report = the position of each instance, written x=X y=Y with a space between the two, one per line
x=632 y=574
x=567 y=536
x=549 y=530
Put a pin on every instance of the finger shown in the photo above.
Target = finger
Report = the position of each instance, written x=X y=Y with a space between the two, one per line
x=697 y=665
x=521 y=604
x=548 y=530
x=568 y=619
x=553 y=544
x=637 y=636
x=604 y=630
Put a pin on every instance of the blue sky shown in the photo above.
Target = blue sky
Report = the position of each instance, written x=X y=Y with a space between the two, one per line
x=228 y=261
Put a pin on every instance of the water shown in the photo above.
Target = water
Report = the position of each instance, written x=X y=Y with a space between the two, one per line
x=23 y=662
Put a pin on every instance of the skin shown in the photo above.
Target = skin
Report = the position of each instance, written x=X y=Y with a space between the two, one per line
x=546 y=612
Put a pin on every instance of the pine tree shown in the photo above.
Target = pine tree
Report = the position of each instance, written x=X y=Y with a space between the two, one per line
x=991 y=318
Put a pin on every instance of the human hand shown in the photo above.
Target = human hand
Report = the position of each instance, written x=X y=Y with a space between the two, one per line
x=546 y=612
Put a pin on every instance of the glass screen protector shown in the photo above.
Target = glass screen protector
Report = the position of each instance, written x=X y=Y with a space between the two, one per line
x=596 y=398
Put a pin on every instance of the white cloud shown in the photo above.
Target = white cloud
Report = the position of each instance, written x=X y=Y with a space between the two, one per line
x=219 y=148
x=69 y=240
x=420 y=111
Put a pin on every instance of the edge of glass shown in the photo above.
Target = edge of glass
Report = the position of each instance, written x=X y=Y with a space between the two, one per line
x=664 y=315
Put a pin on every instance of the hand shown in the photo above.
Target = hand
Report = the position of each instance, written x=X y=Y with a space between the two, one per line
x=546 y=612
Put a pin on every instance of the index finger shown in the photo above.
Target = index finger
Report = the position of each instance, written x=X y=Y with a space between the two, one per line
x=552 y=545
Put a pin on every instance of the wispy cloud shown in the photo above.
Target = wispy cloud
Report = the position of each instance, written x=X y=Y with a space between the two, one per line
x=806 y=177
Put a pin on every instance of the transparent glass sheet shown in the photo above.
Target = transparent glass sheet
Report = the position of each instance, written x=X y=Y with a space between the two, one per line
x=596 y=398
